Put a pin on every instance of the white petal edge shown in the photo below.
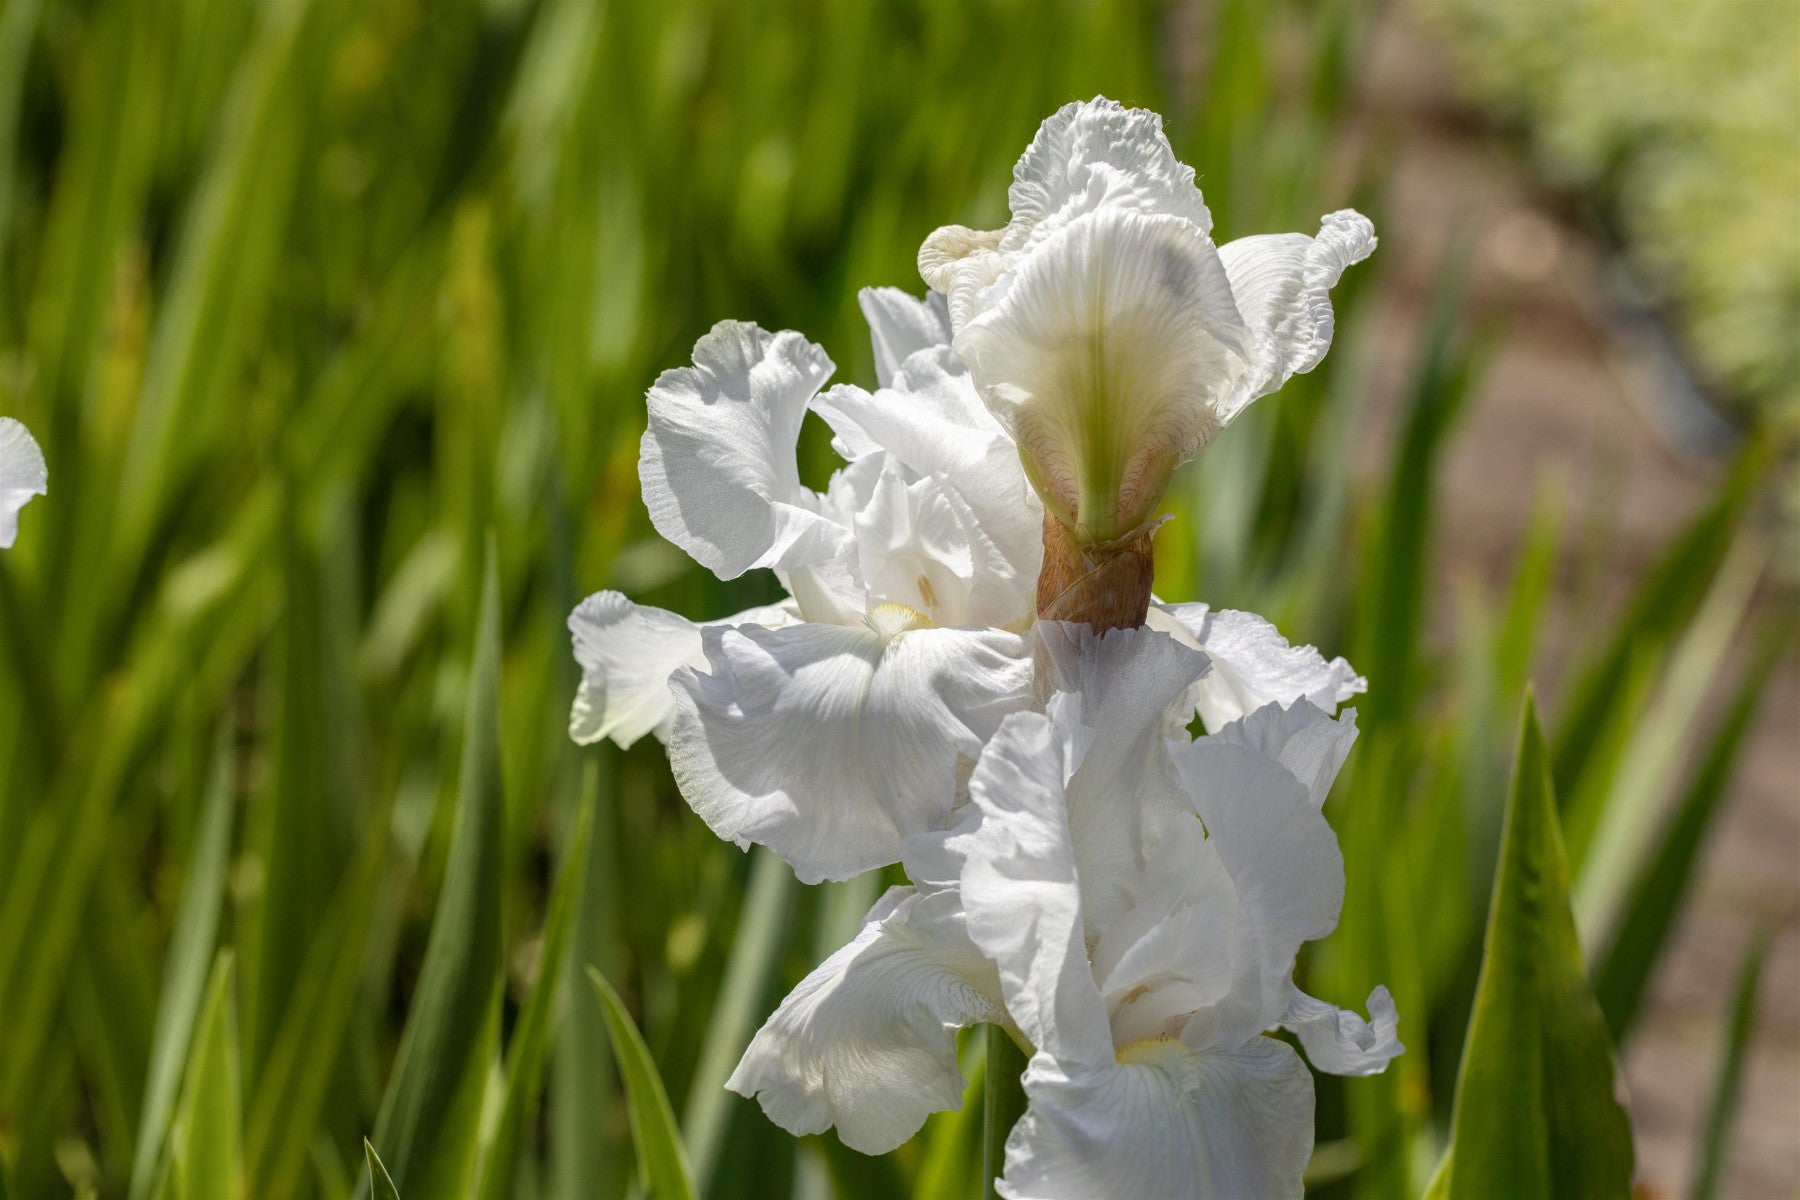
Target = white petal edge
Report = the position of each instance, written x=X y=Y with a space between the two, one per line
x=627 y=653
x=1340 y=1042
x=828 y=744
x=23 y=474
x=1305 y=739
x=1283 y=284
x=1166 y=1121
x=1252 y=664
x=900 y=325
x=717 y=461
x=867 y=1042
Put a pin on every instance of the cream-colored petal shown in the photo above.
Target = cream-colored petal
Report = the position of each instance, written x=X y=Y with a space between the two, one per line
x=1104 y=353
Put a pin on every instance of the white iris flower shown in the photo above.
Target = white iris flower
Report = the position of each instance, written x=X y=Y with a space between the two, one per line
x=1130 y=907
x=834 y=724
x=23 y=474
x=1107 y=333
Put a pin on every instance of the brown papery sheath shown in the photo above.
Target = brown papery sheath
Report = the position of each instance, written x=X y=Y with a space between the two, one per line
x=1107 y=586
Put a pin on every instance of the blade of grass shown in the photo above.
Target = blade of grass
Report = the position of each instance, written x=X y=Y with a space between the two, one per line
x=1656 y=897
x=531 y=1043
x=432 y=1107
x=1740 y=1025
x=662 y=1163
x=755 y=949
x=1639 y=805
x=207 y=1157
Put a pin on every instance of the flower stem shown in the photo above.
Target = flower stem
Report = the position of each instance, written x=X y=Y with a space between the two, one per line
x=1003 y=1103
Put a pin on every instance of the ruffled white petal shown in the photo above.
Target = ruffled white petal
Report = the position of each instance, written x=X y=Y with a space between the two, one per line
x=828 y=744
x=867 y=1042
x=1283 y=287
x=1284 y=863
x=1340 y=1042
x=23 y=474
x=1164 y=1121
x=900 y=325
x=627 y=653
x=1021 y=889
x=718 y=462
x=1126 y=792
x=1309 y=743
x=932 y=424
x=1253 y=664
x=1104 y=352
x=1098 y=154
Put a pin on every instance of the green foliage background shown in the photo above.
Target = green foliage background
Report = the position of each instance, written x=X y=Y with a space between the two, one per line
x=318 y=307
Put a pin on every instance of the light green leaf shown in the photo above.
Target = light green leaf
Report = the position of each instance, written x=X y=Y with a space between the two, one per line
x=184 y=975
x=531 y=1043
x=207 y=1157
x=1537 y=1112
x=662 y=1163
x=429 y=1116
x=381 y=1187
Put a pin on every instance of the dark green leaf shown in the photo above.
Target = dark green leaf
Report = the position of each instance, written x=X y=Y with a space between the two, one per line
x=1537 y=1112
x=207 y=1157
x=381 y=1187
x=1740 y=1024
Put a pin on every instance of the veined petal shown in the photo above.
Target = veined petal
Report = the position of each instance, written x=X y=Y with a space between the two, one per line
x=718 y=462
x=867 y=1042
x=1340 y=1042
x=1020 y=885
x=1304 y=739
x=828 y=744
x=1284 y=863
x=23 y=474
x=1253 y=664
x=901 y=325
x=1104 y=353
x=627 y=653
x=1283 y=287
x=1165 y=1121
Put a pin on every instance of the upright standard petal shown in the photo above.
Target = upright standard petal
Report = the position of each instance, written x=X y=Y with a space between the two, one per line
x=1253 y=664
x=23 y=474
x=828 y=744
x=718 y=463
x=1341 y=1042
x=1105 y=352
x=1309 y=742
x=1283 y=284
x=1167 y=1121
x=900 y=325
x=867 y=1042
x=627 y=653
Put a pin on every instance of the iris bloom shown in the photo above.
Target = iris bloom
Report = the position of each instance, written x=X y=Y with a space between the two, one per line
x=834 y=724
x=1129 y=906
x=1108 y=334
x=22 y=476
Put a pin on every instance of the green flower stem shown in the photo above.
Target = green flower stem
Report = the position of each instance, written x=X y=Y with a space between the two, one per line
x=1003 y=1103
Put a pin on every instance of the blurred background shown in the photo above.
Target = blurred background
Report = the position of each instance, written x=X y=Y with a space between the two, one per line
x=305 y=302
